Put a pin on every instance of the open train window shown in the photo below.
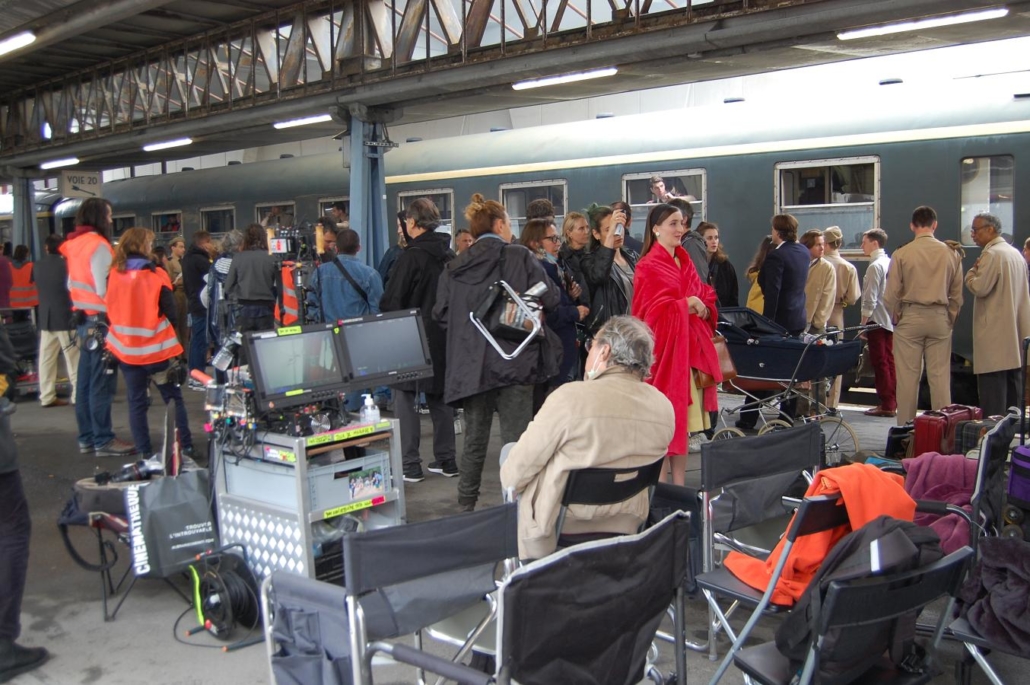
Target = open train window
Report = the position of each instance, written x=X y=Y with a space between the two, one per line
x=218 y=219
x=443 y=198
x=643 y=189
x=327 y=204
x=987 y=186
x=120 y=223
x=842 y=192
x=275 y=214
x=166 y=222
x=516 y=198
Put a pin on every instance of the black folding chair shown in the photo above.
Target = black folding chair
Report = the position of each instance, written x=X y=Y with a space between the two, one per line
x=863 y=603
x=601 y=486
x=585 y=615
x=397 y=581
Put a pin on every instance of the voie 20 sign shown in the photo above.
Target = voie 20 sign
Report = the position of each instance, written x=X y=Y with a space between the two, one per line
x=83 y=184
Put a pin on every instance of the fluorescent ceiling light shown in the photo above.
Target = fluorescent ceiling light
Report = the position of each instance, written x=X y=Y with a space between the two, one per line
x=154 y=147
x=17 y=41
x=57 y=163
x=565 y=78
x=919 y=24
x=318 y=119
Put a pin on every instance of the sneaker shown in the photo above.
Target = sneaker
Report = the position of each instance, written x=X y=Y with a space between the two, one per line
x=85 y=449
x=116 y=448
x=15 y=659
x=423 y=409
x=194 y=384
x=447 y=469
x=696 y=440
x=413 y=474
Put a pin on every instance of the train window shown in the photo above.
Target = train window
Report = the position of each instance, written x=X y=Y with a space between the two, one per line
x=443 y=198
x=218 y=219
x=987 y=186
x=167 y=222
x=831 y=192
x=275 y=214
x=516 y=198
x=122 y=223
x=340 y=205
x=639 y=192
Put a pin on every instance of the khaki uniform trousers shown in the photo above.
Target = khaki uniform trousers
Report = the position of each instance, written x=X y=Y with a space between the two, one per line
x=836 y=319
x=52 y=343
x=922 y=334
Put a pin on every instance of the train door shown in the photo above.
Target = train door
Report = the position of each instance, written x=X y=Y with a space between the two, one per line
x=516 y=197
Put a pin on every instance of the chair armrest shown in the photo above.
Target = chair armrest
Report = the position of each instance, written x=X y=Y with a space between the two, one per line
x=926 y=506
x=459 y=673
x=790 y=503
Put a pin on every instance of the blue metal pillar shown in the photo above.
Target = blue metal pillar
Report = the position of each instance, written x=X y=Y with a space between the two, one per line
x=368 y=213
x=24 y=230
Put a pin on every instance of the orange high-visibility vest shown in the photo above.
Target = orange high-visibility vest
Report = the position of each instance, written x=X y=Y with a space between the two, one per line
x=23 y=290
x=139 y=333
x=290 y=312
x=79 y=253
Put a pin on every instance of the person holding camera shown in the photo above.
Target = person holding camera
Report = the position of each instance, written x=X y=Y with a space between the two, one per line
x=141 y=308
x=477 y=376
x=88 y=253
x=608 y=266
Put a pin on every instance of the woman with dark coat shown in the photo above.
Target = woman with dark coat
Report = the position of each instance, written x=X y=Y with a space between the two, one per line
x=477 y=376
x=721 y=274
x=608 y=267
x=412 y=284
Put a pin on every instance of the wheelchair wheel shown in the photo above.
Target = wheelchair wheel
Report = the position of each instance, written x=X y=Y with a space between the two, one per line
x=728 y=434
x=774 y=425
x=1013 y=514
x=841 y=439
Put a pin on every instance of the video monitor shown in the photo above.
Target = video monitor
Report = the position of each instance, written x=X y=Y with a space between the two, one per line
x=388 y=348
x=296 y=365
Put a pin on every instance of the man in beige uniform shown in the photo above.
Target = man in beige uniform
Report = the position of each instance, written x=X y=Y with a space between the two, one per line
x=848 y=291
x=1001 y=316
x=821 y=286
x=924 y=296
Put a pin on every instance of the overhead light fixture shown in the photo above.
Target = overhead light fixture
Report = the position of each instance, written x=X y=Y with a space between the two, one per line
x=17 y=41
x=319 y=119
x=154 y=147
x=565 y=78
x=58 y=163
x=920 y=24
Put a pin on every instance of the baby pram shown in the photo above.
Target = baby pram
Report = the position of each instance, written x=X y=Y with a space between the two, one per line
x=783 y=368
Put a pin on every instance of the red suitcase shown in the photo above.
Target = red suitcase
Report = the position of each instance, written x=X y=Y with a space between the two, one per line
x=935 y=430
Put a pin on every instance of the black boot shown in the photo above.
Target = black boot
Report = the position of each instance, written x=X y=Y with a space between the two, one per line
x=15 y=659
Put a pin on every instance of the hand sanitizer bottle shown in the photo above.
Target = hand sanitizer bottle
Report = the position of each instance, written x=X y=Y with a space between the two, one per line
x=369 y=411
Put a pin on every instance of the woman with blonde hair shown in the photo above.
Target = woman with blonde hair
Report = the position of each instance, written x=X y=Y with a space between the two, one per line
x=140 y=309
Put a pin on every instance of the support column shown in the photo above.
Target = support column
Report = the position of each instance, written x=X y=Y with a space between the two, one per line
x=24 y=231
x=369 y=143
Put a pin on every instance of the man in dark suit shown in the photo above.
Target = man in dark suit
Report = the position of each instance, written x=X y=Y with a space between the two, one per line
x=50 y=275
x=782 y=280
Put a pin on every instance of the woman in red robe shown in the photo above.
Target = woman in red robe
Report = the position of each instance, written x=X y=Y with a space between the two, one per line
x=670 y=298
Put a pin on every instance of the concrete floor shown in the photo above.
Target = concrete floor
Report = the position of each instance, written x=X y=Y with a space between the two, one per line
x=62 y=609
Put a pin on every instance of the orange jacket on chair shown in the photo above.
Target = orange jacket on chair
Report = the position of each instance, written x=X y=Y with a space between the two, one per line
x=139 y=334
x=23 y=290
x=865 y=490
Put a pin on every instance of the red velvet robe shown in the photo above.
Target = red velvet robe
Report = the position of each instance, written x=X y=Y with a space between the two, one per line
x=682 y=341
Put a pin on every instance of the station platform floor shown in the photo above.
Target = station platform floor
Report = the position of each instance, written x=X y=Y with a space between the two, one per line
x=62 y=606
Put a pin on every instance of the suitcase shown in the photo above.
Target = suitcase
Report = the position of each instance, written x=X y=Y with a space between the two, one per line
x=898 y=440
x=1019 y=478
x=968 y=433
x=935 y=430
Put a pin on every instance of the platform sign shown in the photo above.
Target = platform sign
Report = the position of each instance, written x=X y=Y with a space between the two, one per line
x=82 y=184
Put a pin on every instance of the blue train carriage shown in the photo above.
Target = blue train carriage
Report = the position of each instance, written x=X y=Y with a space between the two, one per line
x=855 y=165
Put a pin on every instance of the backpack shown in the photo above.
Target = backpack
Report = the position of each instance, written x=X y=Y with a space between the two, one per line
x=847 y=653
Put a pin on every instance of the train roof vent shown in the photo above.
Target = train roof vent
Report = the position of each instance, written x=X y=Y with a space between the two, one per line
x=495 y=129
x=186 y=168
x=413 y=139
x=730 y=101
x=1022 y=96
x=604 y=115
x=286 y=155
x=234 y=162
x=891 y=82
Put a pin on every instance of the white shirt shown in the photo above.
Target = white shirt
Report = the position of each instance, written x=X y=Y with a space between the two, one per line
x=873 y=286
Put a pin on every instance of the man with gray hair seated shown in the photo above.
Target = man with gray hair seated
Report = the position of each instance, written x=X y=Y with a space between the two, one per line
x=611 y=420
x=1001 y=316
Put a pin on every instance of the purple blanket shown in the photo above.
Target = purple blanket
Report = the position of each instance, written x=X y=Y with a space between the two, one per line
x=943 y=478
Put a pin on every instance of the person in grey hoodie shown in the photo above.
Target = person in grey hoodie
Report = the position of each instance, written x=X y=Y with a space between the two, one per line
x=477 y=376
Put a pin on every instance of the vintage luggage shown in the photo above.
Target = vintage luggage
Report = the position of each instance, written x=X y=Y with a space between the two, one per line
x=935 y=430
x=899 y=438
x=969 y=433
x=1019 y=478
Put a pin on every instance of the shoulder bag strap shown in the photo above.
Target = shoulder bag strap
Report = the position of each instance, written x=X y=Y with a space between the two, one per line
x=350 y=279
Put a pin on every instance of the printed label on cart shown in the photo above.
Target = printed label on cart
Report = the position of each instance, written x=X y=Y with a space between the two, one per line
x=346 y=434
x=276 y=454
x=355 y=506
x=289 y=330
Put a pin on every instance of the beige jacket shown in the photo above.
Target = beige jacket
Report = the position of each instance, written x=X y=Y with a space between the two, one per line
x=848 y=290
x=612 y=421
x=926 y=272
x=1001 y=307
x=820 y=292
